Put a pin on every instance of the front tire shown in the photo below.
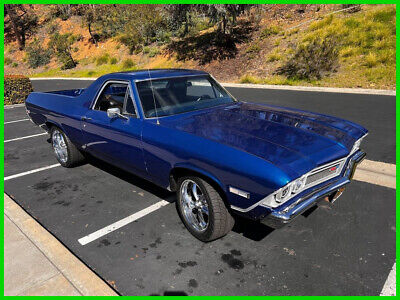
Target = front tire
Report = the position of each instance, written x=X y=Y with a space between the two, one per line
x=202 y=209
x=66 y=152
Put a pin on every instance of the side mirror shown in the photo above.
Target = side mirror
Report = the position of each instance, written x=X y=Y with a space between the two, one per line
x=113 y=112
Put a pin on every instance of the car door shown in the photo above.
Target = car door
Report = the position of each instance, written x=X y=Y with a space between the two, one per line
x=116 y=140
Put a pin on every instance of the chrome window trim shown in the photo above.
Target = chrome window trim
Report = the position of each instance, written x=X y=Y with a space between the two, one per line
x=169 y=77
x=128 y=83
x=342 y=162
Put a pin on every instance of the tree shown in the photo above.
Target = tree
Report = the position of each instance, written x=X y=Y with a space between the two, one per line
x=225 y=15
x=62 y=47
x=89 y=18
x=180 y=13
x=21 y=22
x=62 y=11
x=37 y=55
x=142 y=25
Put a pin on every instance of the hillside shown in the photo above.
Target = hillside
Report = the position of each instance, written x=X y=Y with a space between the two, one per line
x=348 y=49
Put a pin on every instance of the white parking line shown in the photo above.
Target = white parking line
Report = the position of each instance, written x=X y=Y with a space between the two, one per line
x=30 y=172
x=110 y=228
x=389 y=289
x=25 y=137
x=9 y=122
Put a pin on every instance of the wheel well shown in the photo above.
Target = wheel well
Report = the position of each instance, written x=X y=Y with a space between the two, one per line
x=177 y=173
x=49 y=125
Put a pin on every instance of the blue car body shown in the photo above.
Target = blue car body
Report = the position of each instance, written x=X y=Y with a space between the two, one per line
x=241 y=146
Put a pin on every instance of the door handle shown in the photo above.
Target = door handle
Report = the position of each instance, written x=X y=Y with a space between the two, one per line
x=85 y=118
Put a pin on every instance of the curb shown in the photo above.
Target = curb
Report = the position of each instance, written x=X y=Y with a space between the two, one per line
x=374 y=172
x=82 y=278
x=267 y=86
x=14 y=105
x=312 y=89
x=63 y=78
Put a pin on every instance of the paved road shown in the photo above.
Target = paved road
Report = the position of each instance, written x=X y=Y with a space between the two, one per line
x=377 y=113
x=348 y=249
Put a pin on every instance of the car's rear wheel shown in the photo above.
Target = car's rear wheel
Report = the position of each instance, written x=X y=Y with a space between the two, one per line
x=66 y=152
x=202 y=209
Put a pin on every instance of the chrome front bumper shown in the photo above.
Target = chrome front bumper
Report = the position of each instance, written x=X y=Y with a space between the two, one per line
x=277 y=218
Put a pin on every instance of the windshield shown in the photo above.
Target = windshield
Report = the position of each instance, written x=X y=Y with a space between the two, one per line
x=180 y=94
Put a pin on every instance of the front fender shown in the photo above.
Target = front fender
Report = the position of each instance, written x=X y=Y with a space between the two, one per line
x=195 y=169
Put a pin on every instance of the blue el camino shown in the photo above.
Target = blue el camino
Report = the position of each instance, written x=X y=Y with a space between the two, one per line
x=183 y=131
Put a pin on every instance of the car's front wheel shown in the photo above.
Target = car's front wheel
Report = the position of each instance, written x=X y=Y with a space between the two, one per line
x=202 y=209
x=66 y=152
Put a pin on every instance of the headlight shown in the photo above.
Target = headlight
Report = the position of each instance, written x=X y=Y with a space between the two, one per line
x=285 y=193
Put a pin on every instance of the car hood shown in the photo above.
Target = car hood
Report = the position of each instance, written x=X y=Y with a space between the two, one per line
x=295 y=141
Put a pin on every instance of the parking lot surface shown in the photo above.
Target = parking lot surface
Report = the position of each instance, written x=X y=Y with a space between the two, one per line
x=347 y=249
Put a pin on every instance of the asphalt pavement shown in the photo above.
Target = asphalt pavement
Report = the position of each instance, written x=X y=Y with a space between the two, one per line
x=347 y=249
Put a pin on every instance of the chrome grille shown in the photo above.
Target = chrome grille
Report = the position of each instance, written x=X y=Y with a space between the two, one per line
x=327 y=172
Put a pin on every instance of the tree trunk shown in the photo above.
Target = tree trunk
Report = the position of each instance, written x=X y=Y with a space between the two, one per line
x=13 y=19
x=73 y=61
x=91 y=34
x=224 y=24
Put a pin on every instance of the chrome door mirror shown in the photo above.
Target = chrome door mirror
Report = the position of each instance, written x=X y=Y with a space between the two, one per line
x=115 y=112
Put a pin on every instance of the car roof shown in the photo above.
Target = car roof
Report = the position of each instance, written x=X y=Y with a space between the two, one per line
x=153 y=74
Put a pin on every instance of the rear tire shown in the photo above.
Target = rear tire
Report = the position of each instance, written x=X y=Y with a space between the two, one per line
x=193 y=212
x=66 y=152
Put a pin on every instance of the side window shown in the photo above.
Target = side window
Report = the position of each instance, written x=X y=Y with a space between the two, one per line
x=113 y=95
x=200 y=87
x=130 y=107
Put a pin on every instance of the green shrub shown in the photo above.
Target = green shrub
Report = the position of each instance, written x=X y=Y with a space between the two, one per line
x=14 y=65
x=274 y=56
x=321 y=24
x=151 y=51
x=16 y=89
x=370 y=60
x=384 y=16
x=103 y=59
x=53 y=28
x=252 y=50
x=352 y=23
x=36 y=55
x=113 y=61
x=271 y=30
x=131 y=41
x=312 y=60
x=7 y=61
x=250 y=79
x=62 y=46
x=128 y=63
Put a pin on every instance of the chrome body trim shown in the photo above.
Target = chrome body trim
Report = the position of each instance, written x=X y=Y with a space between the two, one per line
x=127 y=82
x=169 y=77
x=342 y=163
x=357 y=147
x=239 y=192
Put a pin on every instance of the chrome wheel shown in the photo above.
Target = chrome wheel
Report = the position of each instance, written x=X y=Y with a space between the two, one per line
x=59 y=146
x=194 y=205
